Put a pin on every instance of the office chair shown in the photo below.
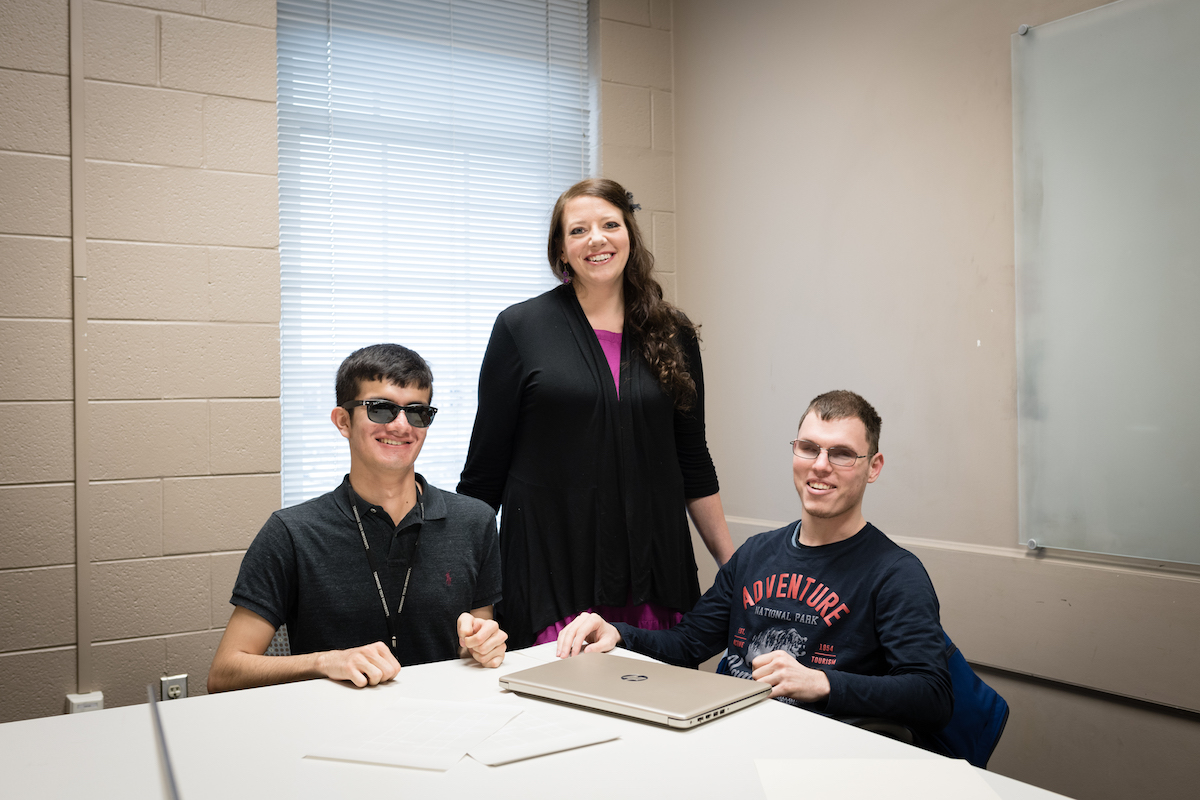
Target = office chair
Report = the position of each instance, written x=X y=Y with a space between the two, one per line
x=980 y=714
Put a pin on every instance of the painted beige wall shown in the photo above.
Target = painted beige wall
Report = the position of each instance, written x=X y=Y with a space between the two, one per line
x=637 y=137
x=176 y=140
x=845 y=220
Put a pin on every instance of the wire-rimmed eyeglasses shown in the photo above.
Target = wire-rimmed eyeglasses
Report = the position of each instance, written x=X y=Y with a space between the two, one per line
x=838 y=456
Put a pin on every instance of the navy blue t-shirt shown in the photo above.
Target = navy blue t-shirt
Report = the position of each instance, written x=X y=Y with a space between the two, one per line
x=862 y=609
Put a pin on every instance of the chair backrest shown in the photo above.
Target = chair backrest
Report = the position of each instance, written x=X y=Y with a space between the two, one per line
x=279 y=646
x=980 y=714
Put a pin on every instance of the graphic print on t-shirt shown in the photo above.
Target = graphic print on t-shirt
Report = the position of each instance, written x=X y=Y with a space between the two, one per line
x=786 y=611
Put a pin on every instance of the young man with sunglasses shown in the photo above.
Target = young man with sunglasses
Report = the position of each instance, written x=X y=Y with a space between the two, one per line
x=385 y=569
x=827 y=610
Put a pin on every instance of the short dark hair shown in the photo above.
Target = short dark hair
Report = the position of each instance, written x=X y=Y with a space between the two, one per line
x=843 y=404
x=392 y=363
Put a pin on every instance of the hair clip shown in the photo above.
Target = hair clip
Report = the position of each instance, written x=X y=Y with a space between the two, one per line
x=632 y=205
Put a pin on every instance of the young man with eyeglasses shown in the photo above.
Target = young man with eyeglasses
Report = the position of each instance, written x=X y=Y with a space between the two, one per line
x=385 y=569
x=827 y=610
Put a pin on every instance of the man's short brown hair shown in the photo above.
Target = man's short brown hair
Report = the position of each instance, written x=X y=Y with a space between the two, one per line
x=843 y=404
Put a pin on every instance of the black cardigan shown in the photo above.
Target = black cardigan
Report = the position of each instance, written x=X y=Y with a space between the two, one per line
x=592 y=487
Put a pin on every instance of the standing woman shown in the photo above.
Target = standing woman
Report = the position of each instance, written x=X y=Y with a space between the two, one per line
x=590 y=434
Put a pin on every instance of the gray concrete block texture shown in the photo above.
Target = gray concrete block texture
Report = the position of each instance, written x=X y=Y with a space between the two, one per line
x=182 y=301
x=36 y=116
x=33 y=36
x=39 y=525
x=218 y=58
x=43 y=677
x=36 y=279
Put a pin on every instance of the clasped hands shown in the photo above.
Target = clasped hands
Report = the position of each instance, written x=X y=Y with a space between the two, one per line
x=372 y=664
x=786 y=676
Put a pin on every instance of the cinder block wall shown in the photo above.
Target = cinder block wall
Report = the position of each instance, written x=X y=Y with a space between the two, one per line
x=181 y=302
x=637 y=135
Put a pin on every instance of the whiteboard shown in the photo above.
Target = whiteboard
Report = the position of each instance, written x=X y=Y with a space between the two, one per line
x=1106 y=140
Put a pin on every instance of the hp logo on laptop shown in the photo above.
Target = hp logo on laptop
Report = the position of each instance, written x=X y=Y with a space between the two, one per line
x=635 y=677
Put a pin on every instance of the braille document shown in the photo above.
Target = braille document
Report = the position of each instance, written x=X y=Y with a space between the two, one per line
x=531 y=735
x=893 y=778
x=436 y=734
x=425 y=734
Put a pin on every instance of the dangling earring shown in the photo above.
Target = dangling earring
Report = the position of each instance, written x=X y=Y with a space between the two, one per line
x=566 y=278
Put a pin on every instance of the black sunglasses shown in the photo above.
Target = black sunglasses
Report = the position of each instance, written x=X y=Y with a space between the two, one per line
x=418 y=415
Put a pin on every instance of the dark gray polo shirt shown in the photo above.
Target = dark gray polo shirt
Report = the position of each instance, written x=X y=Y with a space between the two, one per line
x=307 y=568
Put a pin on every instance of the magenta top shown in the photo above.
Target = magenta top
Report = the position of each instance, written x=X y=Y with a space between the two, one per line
x=610 y=343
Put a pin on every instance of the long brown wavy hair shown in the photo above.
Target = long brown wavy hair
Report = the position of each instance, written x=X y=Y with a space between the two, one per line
x=656 y=324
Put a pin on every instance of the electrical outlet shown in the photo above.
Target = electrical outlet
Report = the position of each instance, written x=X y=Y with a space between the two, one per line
x=172 y=687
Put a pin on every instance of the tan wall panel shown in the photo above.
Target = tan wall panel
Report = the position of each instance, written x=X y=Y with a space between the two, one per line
x=120 y=43
x=36 y=360
x=147 y=281
x=126 y=361
x=626 y=117
x=35 y=117
x=220 y=360
x=240 y=135
x=192 y=653
x=245 y=435
x=182 y=6
x=122 y=669
x=1055 y=618
x=30 y=453
x=225 y=568
x=150 y=597
x=635 y=55
x=33 y=35
x=144 y=125
x=39 y=608
x=218 y=58
x=126 y=520
x=635 y=12
x=662 y=229
x=45 y=678
x=39 y=525
x=181 y=206
x=149 y=439
x=649 y=174
x=152 y=361
x=663 y=114
x=669 y=287
x=244 y=285
x=1087 y=746
x=36 y=281
x=217 y=513
x=44 y=185
x=252 y=12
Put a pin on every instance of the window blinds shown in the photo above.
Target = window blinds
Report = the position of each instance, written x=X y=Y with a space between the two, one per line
x=421 y=146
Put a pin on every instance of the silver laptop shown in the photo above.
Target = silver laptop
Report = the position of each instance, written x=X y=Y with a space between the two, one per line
x=646 y=690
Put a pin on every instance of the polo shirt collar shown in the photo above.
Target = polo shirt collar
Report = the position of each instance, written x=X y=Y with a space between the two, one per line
x=435 y=501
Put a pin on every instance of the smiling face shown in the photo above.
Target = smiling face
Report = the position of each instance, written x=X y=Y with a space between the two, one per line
x=382 y=451
x=832 y=496
x=595 y=242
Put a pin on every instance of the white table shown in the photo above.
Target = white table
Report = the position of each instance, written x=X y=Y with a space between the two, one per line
x=252 y=744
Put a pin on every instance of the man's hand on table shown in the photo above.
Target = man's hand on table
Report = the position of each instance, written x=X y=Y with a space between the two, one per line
x=587 y=633
x=482 y=639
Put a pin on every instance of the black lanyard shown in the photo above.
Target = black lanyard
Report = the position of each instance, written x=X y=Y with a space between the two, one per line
x=387 y=614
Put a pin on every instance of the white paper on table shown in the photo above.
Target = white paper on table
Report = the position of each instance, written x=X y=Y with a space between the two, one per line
x=426 y=734
x=893 y=778
x=531 y=735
